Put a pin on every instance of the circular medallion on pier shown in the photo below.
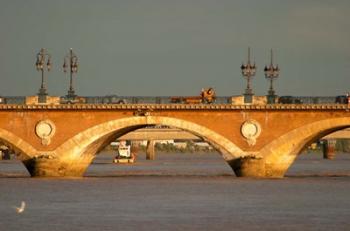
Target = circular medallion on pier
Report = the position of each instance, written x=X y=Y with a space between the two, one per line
x=45 y=129
x=251 y=130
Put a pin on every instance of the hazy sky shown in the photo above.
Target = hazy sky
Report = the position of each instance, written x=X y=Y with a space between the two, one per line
x=176 y=47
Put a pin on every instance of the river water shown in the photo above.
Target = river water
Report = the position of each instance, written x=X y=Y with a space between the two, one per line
x=179 y=192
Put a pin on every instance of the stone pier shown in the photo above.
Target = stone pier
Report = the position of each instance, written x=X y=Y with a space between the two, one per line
x=150 y=150
x=328 y=147
x=46 y=166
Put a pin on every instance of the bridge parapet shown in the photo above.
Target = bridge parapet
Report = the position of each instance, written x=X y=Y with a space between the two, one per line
x=238 y=99
x=175 y=107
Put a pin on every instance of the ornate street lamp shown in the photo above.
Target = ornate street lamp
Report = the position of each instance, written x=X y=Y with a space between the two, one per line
x=40 y=66
x=71 y=62
x=248 y=71
x=271 y=73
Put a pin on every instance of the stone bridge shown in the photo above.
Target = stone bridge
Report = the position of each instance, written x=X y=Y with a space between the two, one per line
x=255 y=140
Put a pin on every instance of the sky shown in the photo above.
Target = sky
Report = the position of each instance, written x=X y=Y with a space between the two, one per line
x=176 y=47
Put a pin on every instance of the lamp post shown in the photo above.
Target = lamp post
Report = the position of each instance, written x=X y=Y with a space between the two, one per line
x=71 y=62
x=271 y=73
x=40 y=66
x=248 y=71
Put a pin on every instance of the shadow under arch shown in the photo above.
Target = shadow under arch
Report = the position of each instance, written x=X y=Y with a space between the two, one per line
x=281 y=153
x=23 y=149
x=90 y=141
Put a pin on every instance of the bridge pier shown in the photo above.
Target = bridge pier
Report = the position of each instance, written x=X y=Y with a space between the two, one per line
x=248 y=167
x=252 y=166
x=328 y=147
x=48 y=166
x=150 y=150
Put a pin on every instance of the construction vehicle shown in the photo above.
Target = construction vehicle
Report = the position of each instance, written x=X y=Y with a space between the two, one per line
x=206 y=96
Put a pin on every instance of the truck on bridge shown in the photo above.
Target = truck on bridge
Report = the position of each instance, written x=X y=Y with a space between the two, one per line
x=206 y=96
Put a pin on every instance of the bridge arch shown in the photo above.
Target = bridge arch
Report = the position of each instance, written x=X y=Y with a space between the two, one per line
x=88 y=142
x=21 y=147
x=281 y=152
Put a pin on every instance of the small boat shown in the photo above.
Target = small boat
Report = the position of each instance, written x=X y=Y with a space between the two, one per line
x=124 y=155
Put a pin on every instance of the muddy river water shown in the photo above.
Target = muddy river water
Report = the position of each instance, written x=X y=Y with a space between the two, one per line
x=179 y=192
